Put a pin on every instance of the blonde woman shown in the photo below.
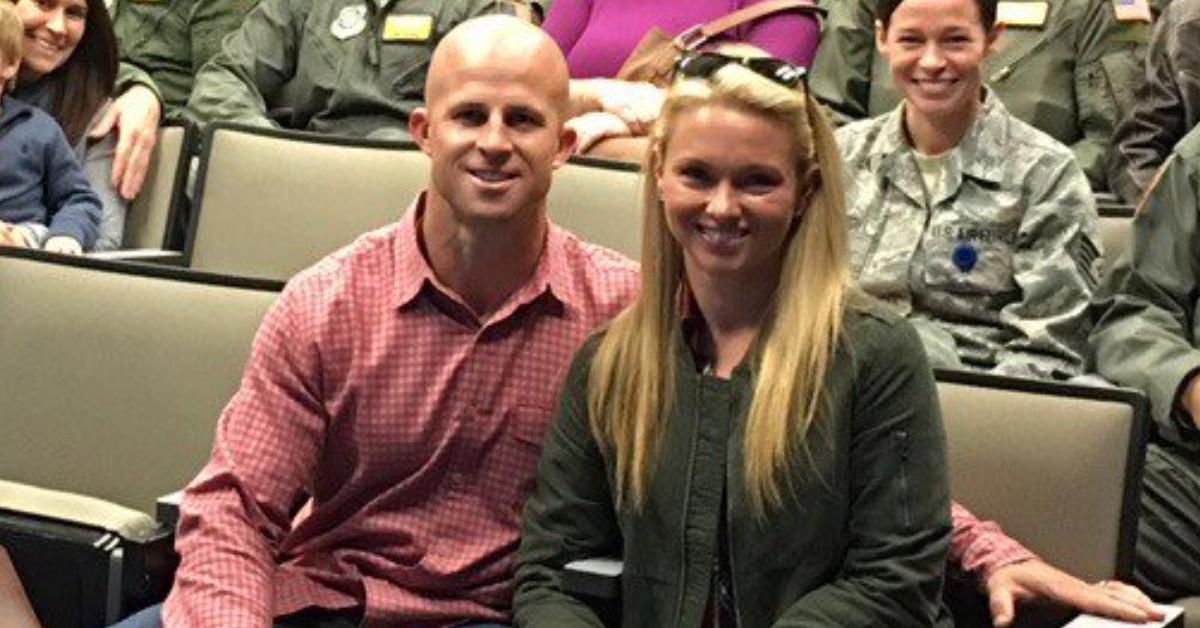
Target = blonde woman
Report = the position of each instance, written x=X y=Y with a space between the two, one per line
x=760 y=443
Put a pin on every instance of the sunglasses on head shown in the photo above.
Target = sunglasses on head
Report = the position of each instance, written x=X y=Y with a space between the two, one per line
x=703 y=65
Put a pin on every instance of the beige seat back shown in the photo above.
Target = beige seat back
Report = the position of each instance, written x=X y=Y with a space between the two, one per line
x=600 y=202
x=150 y=215
x=269 y=203
x=114 y=374
x=1116 y=234
x=1058 y=466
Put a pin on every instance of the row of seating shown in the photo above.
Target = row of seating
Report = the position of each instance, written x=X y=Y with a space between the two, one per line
x=268 y=202
x=115 y=374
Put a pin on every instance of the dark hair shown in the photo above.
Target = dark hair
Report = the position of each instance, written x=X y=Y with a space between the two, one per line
x=987 y=12
x=81 y=85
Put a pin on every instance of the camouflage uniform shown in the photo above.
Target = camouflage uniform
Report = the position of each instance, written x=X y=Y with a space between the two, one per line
x=346 y=67
x=997 y=265
x=1071 y=77
x=171 y=39
x=1147 y=337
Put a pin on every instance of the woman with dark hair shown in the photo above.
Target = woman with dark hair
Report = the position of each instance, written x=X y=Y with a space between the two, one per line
x=69 y=69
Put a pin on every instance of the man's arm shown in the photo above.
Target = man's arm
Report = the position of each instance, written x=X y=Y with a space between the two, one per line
x=237 y=511
x=210 y=22
x=1157 y=121
x=1106 y=70
x=569 y=516
x=841 y=73
x=1143 y=337
x=1011 y=574
x=253 y=65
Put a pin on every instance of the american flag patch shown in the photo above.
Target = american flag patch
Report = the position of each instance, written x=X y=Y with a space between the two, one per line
x=1132 y=10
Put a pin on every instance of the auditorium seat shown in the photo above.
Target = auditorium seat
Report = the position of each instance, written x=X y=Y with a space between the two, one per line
x=153 y=213
x=114 y=376
x=269 y=202
x=600 y=202
x=1116 y=232
x=1057 y=465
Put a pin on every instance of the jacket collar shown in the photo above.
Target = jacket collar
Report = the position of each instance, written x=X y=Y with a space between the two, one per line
x=891 y=156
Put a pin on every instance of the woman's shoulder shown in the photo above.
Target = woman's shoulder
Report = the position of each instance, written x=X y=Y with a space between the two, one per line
x=873 y=328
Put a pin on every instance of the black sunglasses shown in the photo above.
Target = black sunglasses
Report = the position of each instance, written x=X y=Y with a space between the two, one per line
x=697 y=64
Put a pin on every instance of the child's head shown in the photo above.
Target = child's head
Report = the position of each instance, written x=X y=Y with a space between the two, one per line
x=12 y=32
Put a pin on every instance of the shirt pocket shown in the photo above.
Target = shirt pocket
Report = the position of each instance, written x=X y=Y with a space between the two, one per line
x=971 y=251
x=405 y=57
x=517 y=456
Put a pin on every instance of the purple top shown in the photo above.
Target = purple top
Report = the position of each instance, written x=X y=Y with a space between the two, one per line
x=597 y=35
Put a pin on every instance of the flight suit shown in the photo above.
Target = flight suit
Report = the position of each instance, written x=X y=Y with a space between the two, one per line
x=1069 y=72
x=345 y=67
x=1146 y=337
x=172 y=39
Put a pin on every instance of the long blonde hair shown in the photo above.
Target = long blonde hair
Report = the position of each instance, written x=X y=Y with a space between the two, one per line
x=632 y=376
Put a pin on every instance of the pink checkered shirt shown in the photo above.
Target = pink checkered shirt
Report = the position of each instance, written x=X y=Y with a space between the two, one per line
x=981 y=547
x=412 y=426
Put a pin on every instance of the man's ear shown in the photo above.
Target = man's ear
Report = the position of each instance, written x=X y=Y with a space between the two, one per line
x=880 y=36
x=568 y=139
x=418 y=128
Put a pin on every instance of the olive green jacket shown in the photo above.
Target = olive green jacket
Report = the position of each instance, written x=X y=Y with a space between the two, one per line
x=172 y=39
x=1072 y=77
x=1148 y=331
x=860 y=540
x=346 y=67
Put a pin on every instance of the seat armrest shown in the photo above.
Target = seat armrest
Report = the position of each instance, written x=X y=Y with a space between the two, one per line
x=1174 y=619
x=150 y=256
x=598 y=578
x=166 y=509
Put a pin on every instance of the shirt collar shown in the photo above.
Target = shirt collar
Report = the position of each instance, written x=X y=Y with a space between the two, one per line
x=984 y=142
x=552 y=277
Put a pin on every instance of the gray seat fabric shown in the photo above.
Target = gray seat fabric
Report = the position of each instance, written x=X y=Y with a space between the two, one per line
x=600 y=203
x=1191 y=611
x=147 y=220
x=1051 y=464
x=113 y=381
x=1116 y=234
x=271 y=203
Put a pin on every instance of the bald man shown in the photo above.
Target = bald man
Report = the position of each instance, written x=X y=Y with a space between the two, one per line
x=401 y=387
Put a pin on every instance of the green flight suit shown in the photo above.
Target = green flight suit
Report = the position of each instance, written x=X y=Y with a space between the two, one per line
x=1071 y=77
x=344 y=67
x=172 y=39
x=1148 y=337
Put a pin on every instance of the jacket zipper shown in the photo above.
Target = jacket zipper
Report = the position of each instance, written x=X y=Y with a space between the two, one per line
x=901 y=438
x=737 y=599
x=733 y=589
x=687 y=498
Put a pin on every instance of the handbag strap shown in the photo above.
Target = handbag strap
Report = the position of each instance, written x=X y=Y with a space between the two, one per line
x=696 y=36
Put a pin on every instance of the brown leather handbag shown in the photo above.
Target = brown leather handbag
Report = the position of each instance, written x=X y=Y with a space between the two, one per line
x=654 y=57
